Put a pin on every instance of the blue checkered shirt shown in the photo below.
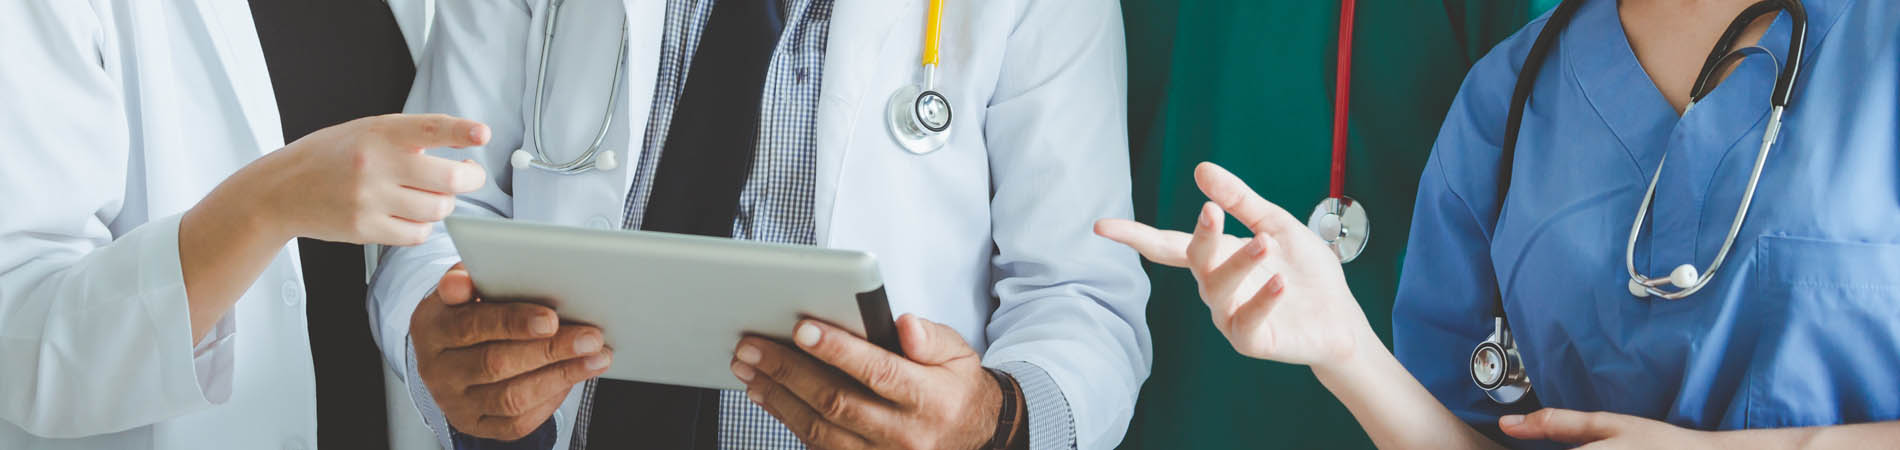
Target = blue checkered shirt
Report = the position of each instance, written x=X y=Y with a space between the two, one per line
x=776 y=203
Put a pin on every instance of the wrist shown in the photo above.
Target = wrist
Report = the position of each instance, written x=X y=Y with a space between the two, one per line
x=1366 y=361
x=1011 y=424
x=244 y=204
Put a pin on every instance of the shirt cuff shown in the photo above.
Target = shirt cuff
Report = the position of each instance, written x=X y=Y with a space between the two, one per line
x=1051 y=424
x=214 y=358
x=425 y=402
x=161 y=284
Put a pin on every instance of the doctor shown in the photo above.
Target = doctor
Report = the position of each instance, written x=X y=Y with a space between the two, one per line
x=1791 y=342
x=772 y=120
x=149 y=291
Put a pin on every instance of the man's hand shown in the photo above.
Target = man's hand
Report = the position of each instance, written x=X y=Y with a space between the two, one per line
x=499 y=370
x=842 y=392
x=1597 y=430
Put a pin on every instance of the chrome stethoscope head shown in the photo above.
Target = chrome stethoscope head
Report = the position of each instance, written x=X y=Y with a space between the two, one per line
x=919 y=116
x=1497 y=368
x=594 y=157
x=1341 y=222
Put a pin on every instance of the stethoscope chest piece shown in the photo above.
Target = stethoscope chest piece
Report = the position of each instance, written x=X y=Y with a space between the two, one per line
x=1341 y=222
x=919 y=119
x=1498 y=369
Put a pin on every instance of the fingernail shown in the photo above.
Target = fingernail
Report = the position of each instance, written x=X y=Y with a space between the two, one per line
x=1511 y=420
x=1207 y=216
x=807 y=335
x=475 y=133
x=743 y=371
x=756 y=398
x=599 y=361
x=587 y=344
x=542 y=326
x=749 y=354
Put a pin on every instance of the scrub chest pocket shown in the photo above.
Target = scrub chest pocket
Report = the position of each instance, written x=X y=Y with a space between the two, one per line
x=1827 y=315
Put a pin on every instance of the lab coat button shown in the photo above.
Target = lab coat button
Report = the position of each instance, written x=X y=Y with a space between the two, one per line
x=600 y=222
x=293 y=293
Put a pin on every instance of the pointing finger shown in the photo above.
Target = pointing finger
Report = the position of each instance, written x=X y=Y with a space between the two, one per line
x=434 y=130
x=1165 y=247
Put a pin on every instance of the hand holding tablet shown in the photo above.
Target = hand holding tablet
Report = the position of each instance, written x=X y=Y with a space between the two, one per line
x=673 y=307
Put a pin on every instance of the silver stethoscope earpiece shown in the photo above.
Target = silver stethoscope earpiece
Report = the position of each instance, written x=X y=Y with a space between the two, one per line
x=594 y=157
x=919 y=116
x=1495 y=365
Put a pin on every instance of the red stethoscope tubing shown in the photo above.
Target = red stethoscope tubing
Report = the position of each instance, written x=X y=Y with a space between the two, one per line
x=1342 y=100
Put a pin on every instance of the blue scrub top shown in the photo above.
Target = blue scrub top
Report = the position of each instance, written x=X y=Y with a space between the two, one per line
x=1801 y=326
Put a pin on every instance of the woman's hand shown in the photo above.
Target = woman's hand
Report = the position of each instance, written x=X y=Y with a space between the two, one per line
x=1279 y=296
x=1609 y=430
x=363 y=181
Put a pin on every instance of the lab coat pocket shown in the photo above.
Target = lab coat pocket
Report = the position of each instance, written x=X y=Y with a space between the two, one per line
x=1827 y=317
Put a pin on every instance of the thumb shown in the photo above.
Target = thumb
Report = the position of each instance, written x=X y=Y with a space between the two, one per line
x=930 y=343
x=1567 y=426
x=456 y=287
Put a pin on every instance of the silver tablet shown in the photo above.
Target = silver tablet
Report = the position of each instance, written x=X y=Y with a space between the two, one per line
x=674 y=306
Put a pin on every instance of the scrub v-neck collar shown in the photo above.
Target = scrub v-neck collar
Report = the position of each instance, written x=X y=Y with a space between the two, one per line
x=1598 y=55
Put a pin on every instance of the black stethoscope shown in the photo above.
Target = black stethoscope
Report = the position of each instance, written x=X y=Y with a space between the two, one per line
x=1339 y=220
x=1496 y=365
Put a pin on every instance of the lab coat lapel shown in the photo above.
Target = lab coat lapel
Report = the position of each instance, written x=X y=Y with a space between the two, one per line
x=231 y=30
x=644 y=20
x=858 y=29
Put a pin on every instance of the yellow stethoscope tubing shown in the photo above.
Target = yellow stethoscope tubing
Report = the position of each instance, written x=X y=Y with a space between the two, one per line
x=933 y=33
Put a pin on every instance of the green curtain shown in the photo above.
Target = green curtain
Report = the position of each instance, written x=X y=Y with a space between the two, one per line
x=1249 y=84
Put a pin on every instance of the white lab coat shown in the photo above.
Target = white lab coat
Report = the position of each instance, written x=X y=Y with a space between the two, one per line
x=990 y=235
x=118 y=115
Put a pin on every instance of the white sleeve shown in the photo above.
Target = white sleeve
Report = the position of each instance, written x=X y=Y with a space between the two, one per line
x=1069 y=303
x=95 y=329
x=471 y=67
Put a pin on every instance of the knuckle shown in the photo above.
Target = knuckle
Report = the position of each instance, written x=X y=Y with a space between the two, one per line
x=882 y=373
x=835 y=405
x=515 y=400
x=494 y=363
x=816 y=432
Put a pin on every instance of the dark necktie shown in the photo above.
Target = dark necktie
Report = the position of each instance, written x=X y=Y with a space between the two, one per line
x=703 y=166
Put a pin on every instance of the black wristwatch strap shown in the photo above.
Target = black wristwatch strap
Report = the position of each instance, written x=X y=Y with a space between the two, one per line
x=1006 y=415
